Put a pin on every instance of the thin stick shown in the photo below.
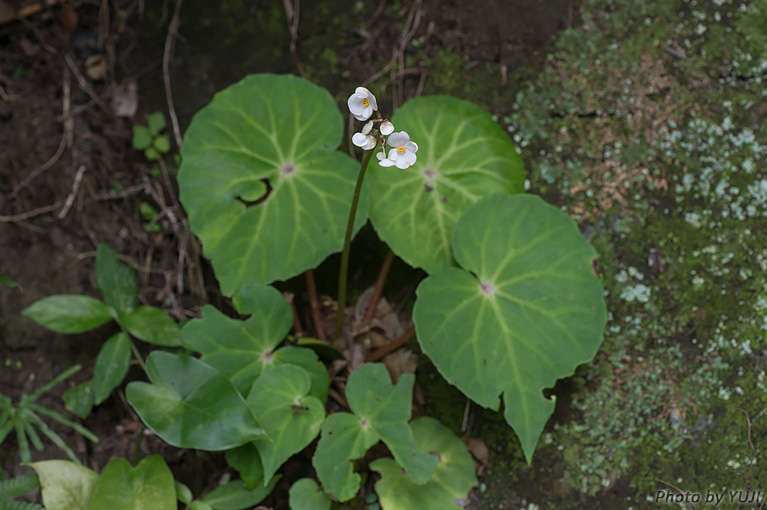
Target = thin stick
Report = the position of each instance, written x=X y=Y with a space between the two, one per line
x=379 y=287
x=338 y=397
x=342 y=276
x=66 y=137
x=73 y=194
x=172 y=29
x=292 y=12
x=311 y=288
x=31 y=214
x=753 y=449
x=391 y=347
x=674 y=487
x=84 y=84
x=290 y=298
x=42 y=168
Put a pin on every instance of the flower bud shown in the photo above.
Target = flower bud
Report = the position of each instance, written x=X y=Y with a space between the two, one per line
x=367 y=128
x=365 y=142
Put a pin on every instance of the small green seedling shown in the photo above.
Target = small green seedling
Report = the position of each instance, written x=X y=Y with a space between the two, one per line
x=24 y=419
x=16 y=487
x=150 y=139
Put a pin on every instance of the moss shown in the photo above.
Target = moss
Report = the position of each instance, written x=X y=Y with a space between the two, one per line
x=660 y=169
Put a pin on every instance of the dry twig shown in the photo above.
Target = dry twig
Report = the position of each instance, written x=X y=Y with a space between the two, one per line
x=311 y=288
x=391 y=347
x=73 y=194
x=66 y=139
x=172 y=29
x=373 y=304
x=292 y=12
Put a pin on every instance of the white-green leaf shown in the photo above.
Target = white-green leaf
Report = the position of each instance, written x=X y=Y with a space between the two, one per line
x=191 y=405
x=463 y=156
x=241 y=350
x=525 y=310
x=268 y=128
x=149 y=485
x=290 y=417
x=449 y=486
x=381 y=412
x=66 y=485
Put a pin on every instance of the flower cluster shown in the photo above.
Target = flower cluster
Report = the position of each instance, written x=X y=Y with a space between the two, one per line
x=362 y=104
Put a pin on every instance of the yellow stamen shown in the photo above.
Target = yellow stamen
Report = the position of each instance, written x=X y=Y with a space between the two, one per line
x=366 y=102
x=401 y=149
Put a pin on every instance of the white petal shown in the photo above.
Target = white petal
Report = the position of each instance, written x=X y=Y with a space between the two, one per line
x=362 y=91
x=393 y=154
x=361 y=117
x=411 y=147
x=402 y=163
x=387 y=128
x=355 y=105
x=373 y=101
x=367 y=128
x=398 y=139
x=367 y=112
x=407 y=159
x=371 y=143
x=359 y=140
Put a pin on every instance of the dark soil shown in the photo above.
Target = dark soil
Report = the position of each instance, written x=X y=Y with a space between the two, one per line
x=55 y=121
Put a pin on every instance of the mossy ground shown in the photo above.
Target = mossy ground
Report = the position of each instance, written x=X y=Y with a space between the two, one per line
x=647 y=126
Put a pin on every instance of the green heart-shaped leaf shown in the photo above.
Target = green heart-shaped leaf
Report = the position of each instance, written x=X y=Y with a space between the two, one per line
x=68 y=314
x=149 y=485
x=463 y=156
x=448 y=487
x=306 y=495
x=277 y=129
x=247 y=462
x=290 y=418
x=117 y=282
x=152 y=325
x=241 y=350
x=381 y=412
x=66 y=485
x=191 y=405
x=235 y=496
x=111 y=366
x=532 y=314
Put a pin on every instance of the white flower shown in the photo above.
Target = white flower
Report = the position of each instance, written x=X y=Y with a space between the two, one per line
x=384 y=161
x=403 y=154
x=362 y=103
x=365 y=142
x=387 y=128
